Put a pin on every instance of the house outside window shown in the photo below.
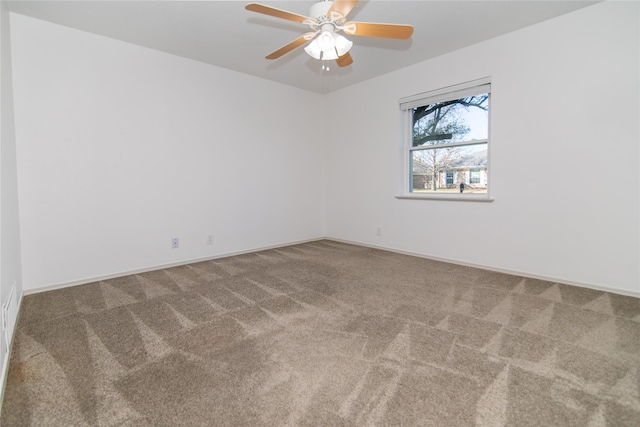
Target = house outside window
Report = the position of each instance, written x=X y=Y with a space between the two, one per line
x=446 y=142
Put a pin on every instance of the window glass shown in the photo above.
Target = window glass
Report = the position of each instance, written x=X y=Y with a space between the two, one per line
x=451 y=121
x=433 y=169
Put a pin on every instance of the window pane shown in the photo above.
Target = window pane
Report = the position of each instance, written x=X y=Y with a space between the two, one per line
x=449 y=169
x=463 y=119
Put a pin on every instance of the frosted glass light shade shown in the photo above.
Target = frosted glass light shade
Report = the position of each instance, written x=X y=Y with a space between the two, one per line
x=326 y=41
x=313 y=49
x=342 y=44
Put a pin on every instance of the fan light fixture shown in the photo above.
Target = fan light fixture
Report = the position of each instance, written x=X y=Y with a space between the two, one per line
x=328 y=46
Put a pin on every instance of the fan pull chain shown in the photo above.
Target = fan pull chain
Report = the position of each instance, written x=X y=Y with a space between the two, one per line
x=325 y=67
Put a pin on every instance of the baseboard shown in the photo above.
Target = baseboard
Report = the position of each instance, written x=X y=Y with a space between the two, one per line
x=489 y=268
x=351 y=242
x=162 y=266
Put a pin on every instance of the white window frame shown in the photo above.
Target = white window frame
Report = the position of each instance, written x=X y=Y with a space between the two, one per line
x=462 y=90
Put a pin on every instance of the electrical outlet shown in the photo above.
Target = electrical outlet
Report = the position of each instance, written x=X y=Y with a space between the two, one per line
x=175 y=243
x=210 y=239
x=378 y=231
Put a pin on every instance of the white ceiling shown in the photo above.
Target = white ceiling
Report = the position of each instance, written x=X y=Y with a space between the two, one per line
x=224 y=34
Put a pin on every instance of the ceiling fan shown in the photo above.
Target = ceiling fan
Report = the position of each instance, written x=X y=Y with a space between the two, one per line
x=327 y=18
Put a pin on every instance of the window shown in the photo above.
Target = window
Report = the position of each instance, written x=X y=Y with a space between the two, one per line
x=446 y=142
x=449 y=177
x=474 y=176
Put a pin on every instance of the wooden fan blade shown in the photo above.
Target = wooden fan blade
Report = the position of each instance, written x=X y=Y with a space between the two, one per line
x=344 y=60
x=289 y=47
x=278 y=13
x=342 y=7
x=371 y=29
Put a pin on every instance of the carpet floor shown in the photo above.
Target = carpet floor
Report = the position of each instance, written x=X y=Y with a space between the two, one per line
x=325 y=334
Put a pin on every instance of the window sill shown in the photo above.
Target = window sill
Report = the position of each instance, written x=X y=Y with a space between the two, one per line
x=452 y=198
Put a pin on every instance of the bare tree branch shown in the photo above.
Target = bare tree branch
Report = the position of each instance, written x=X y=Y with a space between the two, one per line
x=472 y=101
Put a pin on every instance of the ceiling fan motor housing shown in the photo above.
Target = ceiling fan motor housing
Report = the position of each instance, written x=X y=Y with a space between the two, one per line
x=319 y=11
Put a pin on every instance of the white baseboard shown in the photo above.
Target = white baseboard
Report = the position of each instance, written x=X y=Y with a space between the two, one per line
x=384 y=248
x=162 y=266
x=489 y=268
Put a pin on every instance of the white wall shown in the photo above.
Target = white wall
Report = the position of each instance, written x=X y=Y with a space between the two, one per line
x=121 y=148
x=564 y=155
x=10 y=264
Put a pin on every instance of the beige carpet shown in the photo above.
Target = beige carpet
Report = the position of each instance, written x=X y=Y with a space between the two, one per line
x=325 y=334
